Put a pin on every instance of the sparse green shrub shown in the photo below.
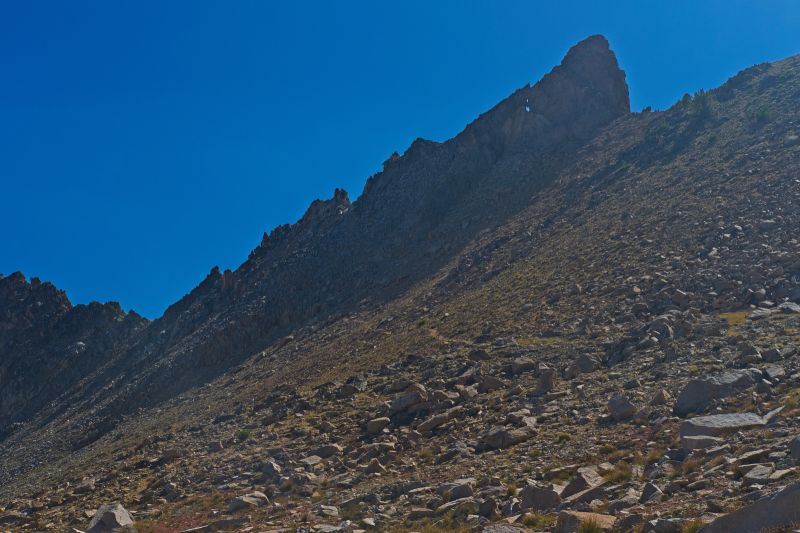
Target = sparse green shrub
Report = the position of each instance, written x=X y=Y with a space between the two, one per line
x=511 y=489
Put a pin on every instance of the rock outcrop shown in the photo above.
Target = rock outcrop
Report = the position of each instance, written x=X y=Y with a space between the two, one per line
x=47 y=346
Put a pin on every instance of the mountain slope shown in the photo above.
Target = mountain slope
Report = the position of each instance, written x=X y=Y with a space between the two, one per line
x=537 y=267
x=414 y=216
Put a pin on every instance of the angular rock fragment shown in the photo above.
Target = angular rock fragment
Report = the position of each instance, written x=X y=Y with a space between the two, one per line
x=576 y=522
x=247 y=501
x=113 y=518
x=586 y=478
x=620 y=408
x=715 y=425
x=780 y=510
x=538 y=498
x=700 y=442
x=500 y=437
x=699 y=393
x=376 y=425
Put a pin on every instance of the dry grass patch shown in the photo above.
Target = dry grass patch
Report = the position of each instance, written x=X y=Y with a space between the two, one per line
x=735 y=321
x=538 y=521
x=538 y=341
x=622 y=472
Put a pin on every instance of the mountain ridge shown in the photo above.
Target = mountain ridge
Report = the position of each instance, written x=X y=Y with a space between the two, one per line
x=240 y=311
x=657 y=250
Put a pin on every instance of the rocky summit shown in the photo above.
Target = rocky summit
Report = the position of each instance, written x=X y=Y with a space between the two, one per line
x=570 y=317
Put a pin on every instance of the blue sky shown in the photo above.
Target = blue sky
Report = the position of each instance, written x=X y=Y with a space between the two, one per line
x=142 y=143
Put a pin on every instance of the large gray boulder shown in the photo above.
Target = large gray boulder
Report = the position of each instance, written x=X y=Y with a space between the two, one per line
x=414 y=396
x=621 y=408
x=539 y=498
x=586 y=478
x=699 y=393
x=248 y=501
x=499 y=437
x=111 y=518
x=715 y=425
x=780 y=510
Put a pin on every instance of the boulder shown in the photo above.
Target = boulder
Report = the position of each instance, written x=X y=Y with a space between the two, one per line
x=758 y=475
x=490 y=383
x=700 y=442
x=629 y=522
x=789 y=308
x=113 y=518
x=620 y=408
x=546 y=381
x=575 y=522
x=650 y=491
x=698 y=394
x=376 y=425
x=271 y=469
x=715 y=425
x=522 y=364
x=587 y=363
x=460 y=488
x=781 y=510
x=328 y=450
x=311 y=461
x=539 y=498
x=415 y=396
x=586 y=478
x=665 y=525
x=85 y=487
x=375 y=467
x=772 y=355
x=500 y=437
x=432 y=423
x=418 y=513
x=462 y=506
x=248 y=501
x=586 y=496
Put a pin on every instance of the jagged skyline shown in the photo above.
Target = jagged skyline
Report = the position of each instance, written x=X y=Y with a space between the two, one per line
x=220 y=134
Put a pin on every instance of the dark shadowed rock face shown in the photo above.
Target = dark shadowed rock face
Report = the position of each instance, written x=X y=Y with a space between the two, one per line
x=773 y=513
x=587 y=90
x=699 y=393
x=47 y=346
x=410 y=220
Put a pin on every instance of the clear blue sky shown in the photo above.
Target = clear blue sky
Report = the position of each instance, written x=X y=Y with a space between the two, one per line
x=143 y=142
